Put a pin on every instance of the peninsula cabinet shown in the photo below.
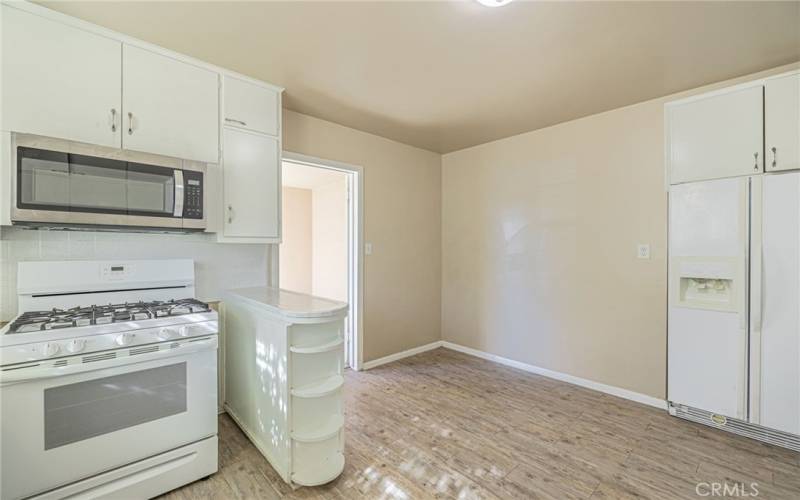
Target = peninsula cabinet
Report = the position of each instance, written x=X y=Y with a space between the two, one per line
x=284 y=358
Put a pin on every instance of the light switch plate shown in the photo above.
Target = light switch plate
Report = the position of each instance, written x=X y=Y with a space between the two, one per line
x=368 y=248
x=643 y=251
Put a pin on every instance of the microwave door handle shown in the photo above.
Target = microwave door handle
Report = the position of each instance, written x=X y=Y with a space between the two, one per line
x=179 y=190
x=22 y=375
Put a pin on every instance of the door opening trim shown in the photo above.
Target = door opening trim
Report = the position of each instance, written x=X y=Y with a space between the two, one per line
x=355 y=248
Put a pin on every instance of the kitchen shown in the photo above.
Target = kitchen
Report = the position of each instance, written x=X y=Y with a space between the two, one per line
x=137 y=176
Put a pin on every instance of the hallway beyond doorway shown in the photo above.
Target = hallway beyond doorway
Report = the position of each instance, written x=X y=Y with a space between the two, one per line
x=320 y=252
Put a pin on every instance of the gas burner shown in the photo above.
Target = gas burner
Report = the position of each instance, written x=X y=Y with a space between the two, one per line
x=36 y=321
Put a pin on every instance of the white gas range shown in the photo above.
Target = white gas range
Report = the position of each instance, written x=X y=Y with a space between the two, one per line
x=108 y=381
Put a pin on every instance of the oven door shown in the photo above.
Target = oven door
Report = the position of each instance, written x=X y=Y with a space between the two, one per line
x=102 y=411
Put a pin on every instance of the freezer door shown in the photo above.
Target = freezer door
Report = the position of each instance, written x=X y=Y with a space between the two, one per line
x=775 y=346
x=707 y=333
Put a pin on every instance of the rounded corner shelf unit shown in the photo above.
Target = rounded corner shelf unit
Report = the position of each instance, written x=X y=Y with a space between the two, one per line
x=317 y=349
x=320 y=473
x=319 y=389
x=329 y=430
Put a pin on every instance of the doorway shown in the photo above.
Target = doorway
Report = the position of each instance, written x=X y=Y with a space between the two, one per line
x=322 y=227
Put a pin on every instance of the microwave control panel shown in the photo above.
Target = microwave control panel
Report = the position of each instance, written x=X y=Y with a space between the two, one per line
x=193 y=194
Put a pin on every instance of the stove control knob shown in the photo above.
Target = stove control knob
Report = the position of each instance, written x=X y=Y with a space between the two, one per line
x=125 y=338
x=165 y=333
x=185 y=331
x=50 y=349
x=76 y=345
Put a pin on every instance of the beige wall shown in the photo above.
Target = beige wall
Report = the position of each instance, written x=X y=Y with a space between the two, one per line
x=539 y=248
x=402 y=207
x=329 y=240
x=296 y=251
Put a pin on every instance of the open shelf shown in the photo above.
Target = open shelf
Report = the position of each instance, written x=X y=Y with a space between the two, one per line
x=329 y=346
x=326 y=431
x=320 y=388
x=320 y=473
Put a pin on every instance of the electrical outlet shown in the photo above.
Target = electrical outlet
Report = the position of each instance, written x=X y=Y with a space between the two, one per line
x=643 y=251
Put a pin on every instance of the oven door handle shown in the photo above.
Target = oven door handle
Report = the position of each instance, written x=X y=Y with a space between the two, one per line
x=22 y=375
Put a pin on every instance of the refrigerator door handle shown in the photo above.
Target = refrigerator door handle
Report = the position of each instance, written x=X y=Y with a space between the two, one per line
x=743 y=275
x=756 y=299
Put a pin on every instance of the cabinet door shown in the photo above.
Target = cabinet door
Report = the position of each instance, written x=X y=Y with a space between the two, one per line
x=59 y=81
x=717 y=136
x=251 y=178
x=782 y=127
x=779 y=360
x=250 y=106
x=170 y=107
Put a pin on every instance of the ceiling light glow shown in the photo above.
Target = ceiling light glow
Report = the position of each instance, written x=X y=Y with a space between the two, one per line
x=494 y=3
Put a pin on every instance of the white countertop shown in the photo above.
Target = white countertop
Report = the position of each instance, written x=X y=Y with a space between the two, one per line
x=289 y=304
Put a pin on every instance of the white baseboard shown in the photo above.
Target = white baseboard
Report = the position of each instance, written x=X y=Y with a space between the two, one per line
x=401 y=355
x=589 y=384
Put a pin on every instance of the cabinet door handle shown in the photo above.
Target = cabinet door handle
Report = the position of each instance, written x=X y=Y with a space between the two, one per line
x=774 y=157
x=755 y=155
x=240 y=122
x=230 y=214
x=130 y=123
x=113 y=120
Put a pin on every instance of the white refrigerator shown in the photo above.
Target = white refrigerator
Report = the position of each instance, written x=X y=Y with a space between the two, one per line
x=734 y=305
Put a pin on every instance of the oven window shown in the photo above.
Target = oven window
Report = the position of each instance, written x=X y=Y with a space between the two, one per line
x=92 y=408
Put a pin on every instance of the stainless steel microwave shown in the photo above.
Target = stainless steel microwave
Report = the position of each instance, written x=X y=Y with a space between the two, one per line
x=62 y=184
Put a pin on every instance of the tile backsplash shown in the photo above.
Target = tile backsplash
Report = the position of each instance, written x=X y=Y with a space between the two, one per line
x=218 y=266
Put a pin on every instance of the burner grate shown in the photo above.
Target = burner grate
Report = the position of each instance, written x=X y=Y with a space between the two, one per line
x=35 y=321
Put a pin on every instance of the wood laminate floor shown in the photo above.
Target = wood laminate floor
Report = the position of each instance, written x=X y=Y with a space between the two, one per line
x=446 y=425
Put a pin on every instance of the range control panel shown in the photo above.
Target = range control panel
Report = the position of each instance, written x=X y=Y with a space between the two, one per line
x=113 y=272
x=193 y=194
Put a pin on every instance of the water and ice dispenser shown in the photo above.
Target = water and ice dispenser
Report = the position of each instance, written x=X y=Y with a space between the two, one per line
x=706 y=283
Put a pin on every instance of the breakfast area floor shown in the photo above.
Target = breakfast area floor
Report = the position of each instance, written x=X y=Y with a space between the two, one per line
x=443 y=424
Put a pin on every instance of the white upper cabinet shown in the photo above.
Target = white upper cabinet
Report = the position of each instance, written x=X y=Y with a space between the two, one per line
x=782 y=127
x=59 y=81
x=716 y=136
x=251 y=106
x=67 y=79
x=252 y=187
x=170 y=107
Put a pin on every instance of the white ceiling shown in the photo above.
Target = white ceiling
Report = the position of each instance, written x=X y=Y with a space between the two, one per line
x=448 y=75
x=304 y=177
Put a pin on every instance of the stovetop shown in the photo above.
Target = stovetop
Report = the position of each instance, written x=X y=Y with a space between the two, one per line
x=37 y=321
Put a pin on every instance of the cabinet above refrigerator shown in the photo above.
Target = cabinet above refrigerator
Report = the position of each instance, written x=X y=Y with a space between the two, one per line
x=747 y=129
